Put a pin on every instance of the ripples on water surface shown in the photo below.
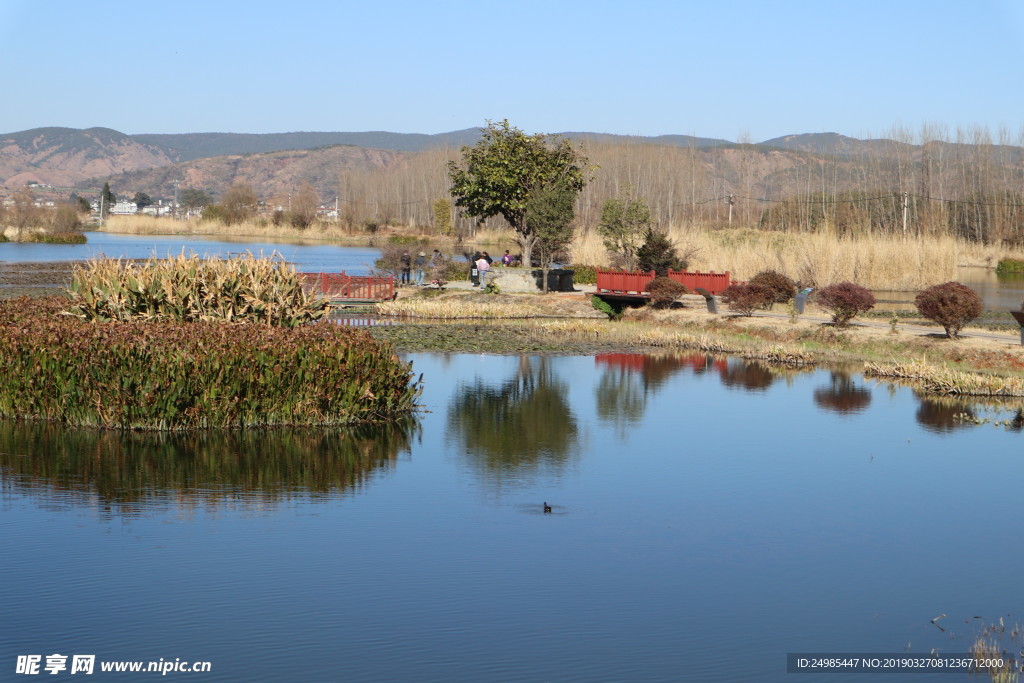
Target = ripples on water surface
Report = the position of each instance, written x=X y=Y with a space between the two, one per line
x=709 y=516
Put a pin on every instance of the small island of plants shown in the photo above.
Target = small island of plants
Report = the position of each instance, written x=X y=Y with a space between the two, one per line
x=188 y=343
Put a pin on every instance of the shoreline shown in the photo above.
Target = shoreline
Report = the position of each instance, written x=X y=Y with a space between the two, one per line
x=567 y=324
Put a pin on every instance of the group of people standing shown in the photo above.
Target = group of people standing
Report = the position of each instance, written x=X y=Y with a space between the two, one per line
x=420 y=264
x=482 y=264
x=414 y=269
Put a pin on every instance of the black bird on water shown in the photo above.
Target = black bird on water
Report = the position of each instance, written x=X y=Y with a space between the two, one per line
x=547 y=508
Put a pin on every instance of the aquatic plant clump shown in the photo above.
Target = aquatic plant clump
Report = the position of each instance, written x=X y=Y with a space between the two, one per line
x=246 y=289
x=173 y=376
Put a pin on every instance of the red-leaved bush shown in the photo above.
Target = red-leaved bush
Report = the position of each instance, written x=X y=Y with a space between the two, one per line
x=664 y=291
x=747 y=297
x=845 y=300
x=950 y=304
x=783 y=288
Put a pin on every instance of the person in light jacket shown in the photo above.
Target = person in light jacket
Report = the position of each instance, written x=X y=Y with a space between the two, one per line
x=482 y=266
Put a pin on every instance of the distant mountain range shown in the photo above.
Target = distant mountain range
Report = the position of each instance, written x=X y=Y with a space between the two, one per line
x=83 y=159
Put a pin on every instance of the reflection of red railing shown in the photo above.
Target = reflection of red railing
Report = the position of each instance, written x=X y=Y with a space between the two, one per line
x=614 y=281
x=343 y=287
x=698 y=363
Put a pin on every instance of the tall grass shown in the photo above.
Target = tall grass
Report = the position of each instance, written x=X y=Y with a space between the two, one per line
x=875 y=261
x=260 y=227
x=174 y=375
x=188 y=288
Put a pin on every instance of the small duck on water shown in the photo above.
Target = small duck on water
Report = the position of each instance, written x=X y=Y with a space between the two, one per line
x=547 y=508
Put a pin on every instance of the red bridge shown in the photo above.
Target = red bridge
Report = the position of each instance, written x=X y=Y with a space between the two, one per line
x=342 y=288
x=620 y=283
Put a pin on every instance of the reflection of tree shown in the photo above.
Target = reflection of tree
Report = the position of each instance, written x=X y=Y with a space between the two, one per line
x=125 y=469
x=621 y=398
x=842 y=395
x=628 y=378
x=518 y=427
x=940 y=414
x=747 y=375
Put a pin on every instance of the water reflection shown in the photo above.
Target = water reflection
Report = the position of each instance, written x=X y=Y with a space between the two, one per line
x=841 y=395
x=941 y=414
x=127 y=472
x=518 y=428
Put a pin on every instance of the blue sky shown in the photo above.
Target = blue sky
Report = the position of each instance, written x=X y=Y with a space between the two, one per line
x=726 y=69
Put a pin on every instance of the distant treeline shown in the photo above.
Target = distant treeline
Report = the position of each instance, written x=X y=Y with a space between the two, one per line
x=969 y=184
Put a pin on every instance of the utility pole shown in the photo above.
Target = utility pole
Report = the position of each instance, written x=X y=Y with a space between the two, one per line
x=103 y=196
x=906 y=202
x=730 y=200
x=175 y=211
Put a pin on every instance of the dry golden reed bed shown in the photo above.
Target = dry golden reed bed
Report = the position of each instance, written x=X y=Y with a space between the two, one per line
x=875 y=261
x=889 y=262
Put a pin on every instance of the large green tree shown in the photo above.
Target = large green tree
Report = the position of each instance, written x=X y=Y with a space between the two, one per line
x=499 y=172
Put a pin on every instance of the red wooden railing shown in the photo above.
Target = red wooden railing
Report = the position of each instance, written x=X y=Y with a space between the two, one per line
x=615 y=281
x=344 y=287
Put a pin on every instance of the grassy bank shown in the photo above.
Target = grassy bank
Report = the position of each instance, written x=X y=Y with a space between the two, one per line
x=523 y=324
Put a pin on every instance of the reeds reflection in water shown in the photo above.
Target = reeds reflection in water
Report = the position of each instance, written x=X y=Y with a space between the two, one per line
x=129 y=471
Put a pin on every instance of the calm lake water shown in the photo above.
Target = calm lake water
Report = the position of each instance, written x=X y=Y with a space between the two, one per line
x=709 y=517
x=308 y=256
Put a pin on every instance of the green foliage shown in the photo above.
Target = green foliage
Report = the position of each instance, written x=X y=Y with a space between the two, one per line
x=491 y=288
x=658 y=254
x=624 y=225
x=950 y=304
x=783 y=288
x=748 y=297
x=664 y=291
x=239 y=290
x=550 y=210
x=107 y=199
x=142 y=200
x=845 y=300
x=173 y=375
x=583 y=275
x=503 y=168
x=80 y=203
x=192 y=198
x=613 y=312
x=1010 y=265
x=443 y=222
x=73 y=237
